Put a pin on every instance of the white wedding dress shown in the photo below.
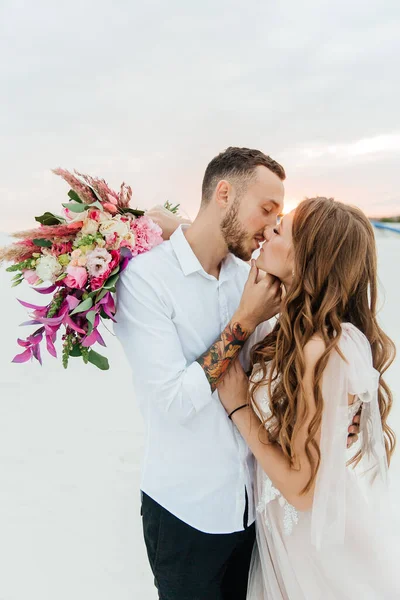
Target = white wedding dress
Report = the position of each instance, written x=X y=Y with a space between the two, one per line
x=344 y=548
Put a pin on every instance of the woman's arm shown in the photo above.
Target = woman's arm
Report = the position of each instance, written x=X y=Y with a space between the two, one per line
x=290 y=480
x=284 y=477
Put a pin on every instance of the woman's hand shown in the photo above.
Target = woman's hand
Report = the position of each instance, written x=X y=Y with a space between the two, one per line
x=261 y=299
x=234 y=387
x=166 y=220
x=354 y=430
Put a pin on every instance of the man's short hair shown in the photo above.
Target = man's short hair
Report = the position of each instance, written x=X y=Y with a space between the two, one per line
x=237 y=164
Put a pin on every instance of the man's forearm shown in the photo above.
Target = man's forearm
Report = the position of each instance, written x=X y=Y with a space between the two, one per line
x=217 y=359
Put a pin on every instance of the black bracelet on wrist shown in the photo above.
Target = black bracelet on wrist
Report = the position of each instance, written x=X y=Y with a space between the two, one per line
x=238 y=408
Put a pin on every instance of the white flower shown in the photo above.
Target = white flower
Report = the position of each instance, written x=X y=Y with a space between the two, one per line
x=48 y=268
x=97 y=261
x=104 y=217
x=72 y=217
x=114 y=226
x=90 y=227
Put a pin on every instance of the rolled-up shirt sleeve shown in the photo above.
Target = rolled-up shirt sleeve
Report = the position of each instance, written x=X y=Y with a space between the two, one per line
x=149 y=338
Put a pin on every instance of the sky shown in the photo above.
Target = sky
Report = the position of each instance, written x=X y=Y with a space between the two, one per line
x=149 y=92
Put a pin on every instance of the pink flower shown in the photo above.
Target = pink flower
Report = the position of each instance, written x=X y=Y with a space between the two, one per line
x=112 y=199
x=76 y=278
x=129 y=241
x=124 y=196
x=61 y=248
x=67 y=213
x=49 y=231
x=97 y=282
x=148 y=235
x=75 y=225
x=94 y=215
x=111 y=208
x=111 y=240
x=84 y=192
x=31 y=277
x=100 y=186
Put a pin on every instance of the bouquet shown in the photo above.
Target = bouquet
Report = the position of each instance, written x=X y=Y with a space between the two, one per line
x=80 y=256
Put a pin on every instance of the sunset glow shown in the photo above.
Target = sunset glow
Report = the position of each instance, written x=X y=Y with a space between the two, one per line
x=290 y=204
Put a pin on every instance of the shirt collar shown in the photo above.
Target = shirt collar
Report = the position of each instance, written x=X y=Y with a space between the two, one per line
x=187 y=259
x=189 y=262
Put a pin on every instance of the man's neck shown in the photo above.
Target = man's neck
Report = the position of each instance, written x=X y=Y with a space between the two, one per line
x=207 y=243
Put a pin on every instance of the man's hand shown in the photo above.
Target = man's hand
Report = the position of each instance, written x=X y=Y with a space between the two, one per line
x=261 y=299
x=354 y=430
x=166 y=220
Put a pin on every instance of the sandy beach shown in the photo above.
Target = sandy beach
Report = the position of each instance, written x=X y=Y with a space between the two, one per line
x=70 y=453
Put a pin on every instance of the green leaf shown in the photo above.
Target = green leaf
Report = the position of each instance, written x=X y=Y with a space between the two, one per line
x=93 y=190
x=49 y=219
x=96 y=204
x=74 y=196
x=75 y=207
x=43 y=243
x=116 y=270
x=76 y=351
x=173 y=209
x=16 y=283
x=91 y=315
x=62 y=276
x=133 y=211
x=85 y=305
x=111 y=281
x=98 y=360
x=101 y=295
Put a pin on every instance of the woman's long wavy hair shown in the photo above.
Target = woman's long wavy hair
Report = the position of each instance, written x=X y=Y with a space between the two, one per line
x=335 y=281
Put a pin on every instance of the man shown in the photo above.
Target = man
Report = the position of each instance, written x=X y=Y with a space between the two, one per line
x=185 y=311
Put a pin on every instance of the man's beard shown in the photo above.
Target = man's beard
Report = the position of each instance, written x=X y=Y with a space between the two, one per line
x=234 y=234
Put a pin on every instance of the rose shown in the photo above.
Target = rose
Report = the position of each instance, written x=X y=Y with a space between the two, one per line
x=76 y=278
x=90 y=227
x=129 y=240
x=112 y=241
x=48 y=268
x=94 y=214
x=114 y=226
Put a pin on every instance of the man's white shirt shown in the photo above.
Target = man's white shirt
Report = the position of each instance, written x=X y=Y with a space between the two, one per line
x=169 y=312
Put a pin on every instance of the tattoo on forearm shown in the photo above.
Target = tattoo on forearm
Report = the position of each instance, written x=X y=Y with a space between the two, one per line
x=216 y=360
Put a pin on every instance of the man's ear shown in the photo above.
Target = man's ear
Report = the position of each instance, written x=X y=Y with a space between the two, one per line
x=222 y=193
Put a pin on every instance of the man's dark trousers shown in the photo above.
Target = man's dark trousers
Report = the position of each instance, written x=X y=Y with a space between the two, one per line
x=190 y=565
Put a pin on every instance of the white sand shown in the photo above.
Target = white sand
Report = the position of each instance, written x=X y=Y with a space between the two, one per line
x=70 y=450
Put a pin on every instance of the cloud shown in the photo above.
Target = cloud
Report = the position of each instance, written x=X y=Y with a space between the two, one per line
x=375 y=148
x=149 y=93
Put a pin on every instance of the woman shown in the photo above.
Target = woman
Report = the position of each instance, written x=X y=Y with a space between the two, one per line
x=320 y=528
